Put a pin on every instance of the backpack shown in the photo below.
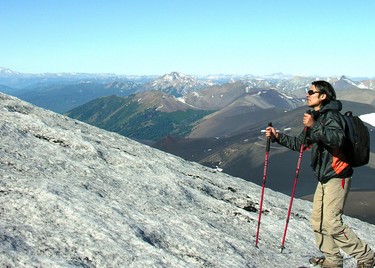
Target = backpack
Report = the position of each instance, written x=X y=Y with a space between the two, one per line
x=357 y=144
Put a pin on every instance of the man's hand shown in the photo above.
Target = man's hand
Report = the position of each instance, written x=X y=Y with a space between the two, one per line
x=271 y=131
x=308 y=120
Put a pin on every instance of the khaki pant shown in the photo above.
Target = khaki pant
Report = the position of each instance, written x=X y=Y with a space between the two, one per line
x=331 y=234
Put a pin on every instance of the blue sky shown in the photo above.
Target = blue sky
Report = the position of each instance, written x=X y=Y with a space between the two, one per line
x=322 y=37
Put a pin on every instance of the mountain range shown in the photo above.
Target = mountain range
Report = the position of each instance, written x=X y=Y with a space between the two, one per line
x=62 y=92
x=213 y=120
x=74 y=195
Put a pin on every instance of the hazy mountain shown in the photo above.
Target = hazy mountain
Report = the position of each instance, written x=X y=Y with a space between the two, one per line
x=217 y=96
x=347 y=89
x=32 y=81
x=367 y=84
x=220 y=96
x=7 y=72
x=74 y=195
x=231 y=78
x=296 y=86
x=175 y=84
x=58 y=91
x=6 y=89
x=154 y=114
x=238 y=107
x=62 y=98
x=149 y=115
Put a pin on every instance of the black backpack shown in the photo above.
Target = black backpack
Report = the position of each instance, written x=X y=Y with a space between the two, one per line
x=357 y=144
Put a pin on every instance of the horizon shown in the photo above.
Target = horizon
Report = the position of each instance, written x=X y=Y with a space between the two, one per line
x=187 y=74
x=197 y=38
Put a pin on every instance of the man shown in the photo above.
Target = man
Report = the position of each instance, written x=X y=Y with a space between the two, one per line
x=325 y=137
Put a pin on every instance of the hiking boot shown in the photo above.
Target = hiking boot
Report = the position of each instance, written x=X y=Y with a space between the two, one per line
x=366 y=264
x=322 y=262
x=317 y=260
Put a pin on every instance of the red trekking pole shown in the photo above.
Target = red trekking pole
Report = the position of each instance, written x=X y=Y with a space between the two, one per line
x=263 y=185
x=295 y=184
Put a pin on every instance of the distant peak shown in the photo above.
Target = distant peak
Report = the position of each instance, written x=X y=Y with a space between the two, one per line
x=6 y=71
x=173 y=76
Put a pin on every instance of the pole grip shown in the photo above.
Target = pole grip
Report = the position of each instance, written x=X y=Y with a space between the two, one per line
x=305 y=129
x=268 y=145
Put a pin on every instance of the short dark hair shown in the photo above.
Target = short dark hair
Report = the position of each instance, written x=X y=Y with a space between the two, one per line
x=326 y=88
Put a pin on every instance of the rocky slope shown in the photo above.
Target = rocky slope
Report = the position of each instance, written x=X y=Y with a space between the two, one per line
x=73 y=195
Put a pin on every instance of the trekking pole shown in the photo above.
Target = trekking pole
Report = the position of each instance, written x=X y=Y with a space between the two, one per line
x=263 y=185
x=294 y=185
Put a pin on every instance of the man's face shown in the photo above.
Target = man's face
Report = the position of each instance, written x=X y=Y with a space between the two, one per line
x=314 y=98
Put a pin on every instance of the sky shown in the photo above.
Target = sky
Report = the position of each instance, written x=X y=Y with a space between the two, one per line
x=195 y=37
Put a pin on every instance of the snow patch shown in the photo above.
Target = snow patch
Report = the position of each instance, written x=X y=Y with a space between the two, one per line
x=368 y=118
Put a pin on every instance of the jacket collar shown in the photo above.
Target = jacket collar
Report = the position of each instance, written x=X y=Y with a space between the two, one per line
x=332 y=105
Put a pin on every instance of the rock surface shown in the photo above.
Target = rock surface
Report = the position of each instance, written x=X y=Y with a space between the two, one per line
x=72 y=195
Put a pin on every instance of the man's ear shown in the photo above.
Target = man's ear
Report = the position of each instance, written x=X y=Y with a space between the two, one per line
x=323 y=96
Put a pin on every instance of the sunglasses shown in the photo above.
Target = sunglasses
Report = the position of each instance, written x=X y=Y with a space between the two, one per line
x=312 y=92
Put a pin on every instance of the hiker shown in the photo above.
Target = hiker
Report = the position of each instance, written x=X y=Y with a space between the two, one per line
x=325 y=136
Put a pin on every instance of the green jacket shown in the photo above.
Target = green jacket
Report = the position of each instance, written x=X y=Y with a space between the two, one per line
x=325 y=139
